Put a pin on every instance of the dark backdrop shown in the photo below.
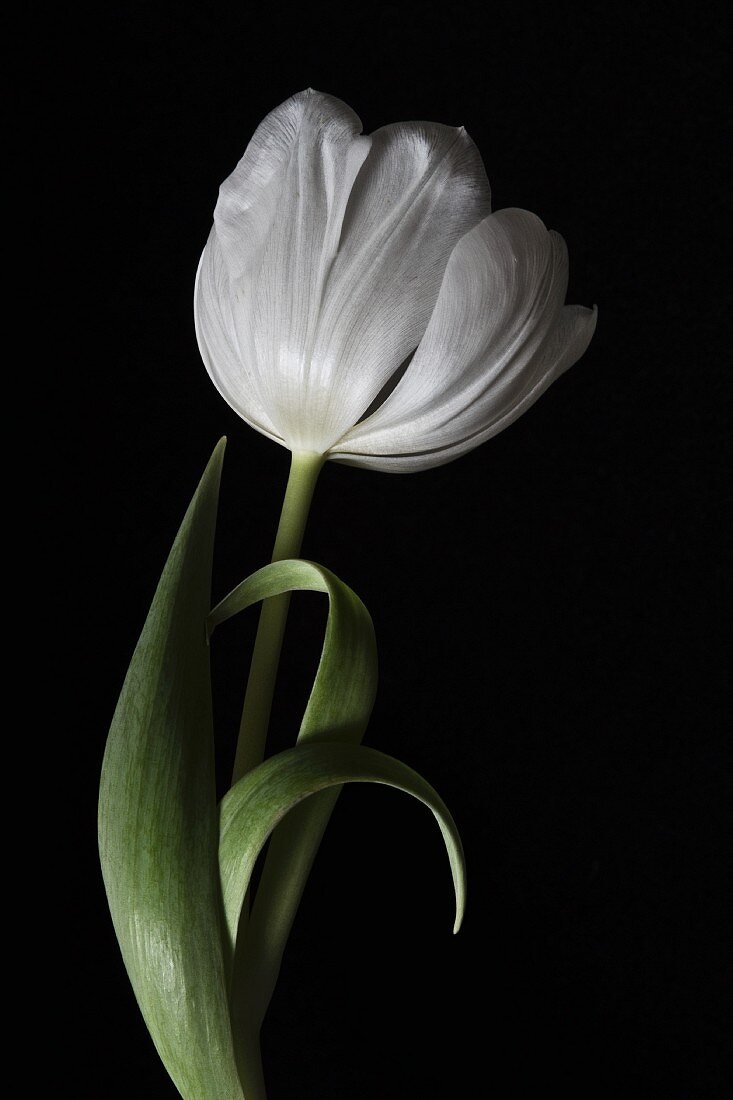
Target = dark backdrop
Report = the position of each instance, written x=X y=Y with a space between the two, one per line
x=547 y=607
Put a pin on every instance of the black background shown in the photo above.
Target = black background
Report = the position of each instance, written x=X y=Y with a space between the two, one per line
x=548 y=608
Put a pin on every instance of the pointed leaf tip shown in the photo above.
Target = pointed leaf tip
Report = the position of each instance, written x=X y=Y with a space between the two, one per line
x=259 y=801
x=158 y=820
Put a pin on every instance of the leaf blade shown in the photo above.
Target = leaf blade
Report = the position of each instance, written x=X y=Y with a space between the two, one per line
x=158 y=829
x=338 y=711
x=253 y=808
x=343 y=693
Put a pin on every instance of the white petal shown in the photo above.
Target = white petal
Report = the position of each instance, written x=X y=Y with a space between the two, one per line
x=217 y=339
x=421 y=188
x=305 y=141
x=568 y=341
x=496 y=333
x=278 y=222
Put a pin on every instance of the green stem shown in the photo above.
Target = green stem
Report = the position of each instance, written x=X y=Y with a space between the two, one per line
x=305 y=467
x=304 y=470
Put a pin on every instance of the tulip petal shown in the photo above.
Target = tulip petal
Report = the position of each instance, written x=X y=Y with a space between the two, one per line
x=277 y=225
x=218 y=342
x=498 y=336
x=332 y=251
x=421 y=188
x=570 y=340
x=293 y=170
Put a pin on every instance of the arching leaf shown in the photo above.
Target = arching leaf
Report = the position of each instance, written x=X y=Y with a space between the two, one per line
x=254 y=806
x=337 y=712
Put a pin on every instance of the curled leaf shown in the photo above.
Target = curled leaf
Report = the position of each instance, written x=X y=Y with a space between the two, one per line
x=346 y=682
x=254 y=806
x=338 y=710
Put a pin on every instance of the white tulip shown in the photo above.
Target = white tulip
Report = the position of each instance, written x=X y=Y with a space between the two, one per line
x=335 y=256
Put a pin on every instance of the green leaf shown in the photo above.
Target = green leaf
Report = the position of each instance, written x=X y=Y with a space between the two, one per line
x=337 y=712
x=346 y=682
x=158 y=828
x=255 y=805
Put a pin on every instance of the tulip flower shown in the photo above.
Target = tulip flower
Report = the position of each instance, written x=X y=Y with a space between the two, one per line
x=357 y=300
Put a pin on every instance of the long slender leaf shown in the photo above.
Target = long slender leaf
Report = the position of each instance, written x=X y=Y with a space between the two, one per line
x=158 y=828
